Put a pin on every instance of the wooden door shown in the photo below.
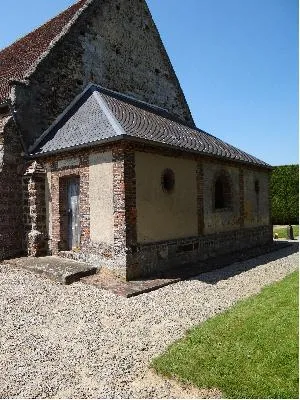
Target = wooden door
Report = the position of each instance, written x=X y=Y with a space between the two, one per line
x=73 y=214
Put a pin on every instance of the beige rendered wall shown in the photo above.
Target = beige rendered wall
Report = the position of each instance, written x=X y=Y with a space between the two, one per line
x=220 y=220
x=101 y=197
x=256 y=204
x=161 y=215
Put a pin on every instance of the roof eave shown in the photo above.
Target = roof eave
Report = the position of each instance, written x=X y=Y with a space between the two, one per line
x=77 y=147
x=184 y=150
x=146 y=142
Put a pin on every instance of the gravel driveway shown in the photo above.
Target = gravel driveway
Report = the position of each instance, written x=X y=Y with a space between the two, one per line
x=81 y=341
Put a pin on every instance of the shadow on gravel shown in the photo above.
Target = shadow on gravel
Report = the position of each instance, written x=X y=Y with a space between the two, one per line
x=239 y=266
x=236 y=262
x=210 y=271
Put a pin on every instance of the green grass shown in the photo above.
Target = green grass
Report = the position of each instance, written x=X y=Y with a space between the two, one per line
x=282 y=232
x=250 y=351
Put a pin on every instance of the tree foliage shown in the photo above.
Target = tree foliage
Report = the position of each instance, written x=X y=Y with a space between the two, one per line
x=285 y=194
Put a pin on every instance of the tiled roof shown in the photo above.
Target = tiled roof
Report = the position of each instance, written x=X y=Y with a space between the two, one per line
x=99 y=115
x=19 y=57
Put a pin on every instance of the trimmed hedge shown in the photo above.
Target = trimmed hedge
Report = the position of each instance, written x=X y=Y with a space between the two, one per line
x=285 y=194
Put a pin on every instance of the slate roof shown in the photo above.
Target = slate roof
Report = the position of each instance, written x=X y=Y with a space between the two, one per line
x=99 y=115
x=18 y=58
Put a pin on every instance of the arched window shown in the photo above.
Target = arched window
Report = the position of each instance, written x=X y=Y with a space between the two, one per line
x=222 y=191
x=168 y=180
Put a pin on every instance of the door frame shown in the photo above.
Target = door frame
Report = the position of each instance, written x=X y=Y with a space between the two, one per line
x=63 y=244
x=73 y=211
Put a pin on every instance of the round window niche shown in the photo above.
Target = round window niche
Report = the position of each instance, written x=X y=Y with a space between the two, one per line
x=256 y=186
x=167 y=180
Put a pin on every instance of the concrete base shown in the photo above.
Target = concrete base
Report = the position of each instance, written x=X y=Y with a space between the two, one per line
x=56 y=268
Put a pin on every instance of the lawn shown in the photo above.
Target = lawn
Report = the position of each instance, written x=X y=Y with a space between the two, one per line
x=250 y=351
x=282 y=231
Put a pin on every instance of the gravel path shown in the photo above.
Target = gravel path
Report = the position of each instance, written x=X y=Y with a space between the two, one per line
x=81 y=341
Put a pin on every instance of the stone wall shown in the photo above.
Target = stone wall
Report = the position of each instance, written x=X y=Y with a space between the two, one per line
x=114 y=43
x=34 y=210
x=11 y=170
x=151 y=258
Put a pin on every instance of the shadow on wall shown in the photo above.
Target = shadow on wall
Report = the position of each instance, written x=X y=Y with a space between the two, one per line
x=239 y=267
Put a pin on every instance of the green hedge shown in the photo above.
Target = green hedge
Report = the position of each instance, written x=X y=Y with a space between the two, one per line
x=285 y=194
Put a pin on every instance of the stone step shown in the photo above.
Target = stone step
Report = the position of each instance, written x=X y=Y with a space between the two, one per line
x=60 y=270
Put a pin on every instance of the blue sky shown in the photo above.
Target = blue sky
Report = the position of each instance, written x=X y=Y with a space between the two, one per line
x=236 y=60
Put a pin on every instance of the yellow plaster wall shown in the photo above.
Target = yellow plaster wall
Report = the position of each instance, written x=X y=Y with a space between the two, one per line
x=101 y=197
x=161 y=215
x=256 y=205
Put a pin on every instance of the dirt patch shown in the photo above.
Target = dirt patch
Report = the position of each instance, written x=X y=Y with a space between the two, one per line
x=174 y=389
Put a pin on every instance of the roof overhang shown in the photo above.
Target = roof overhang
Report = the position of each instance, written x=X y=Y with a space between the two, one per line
x=146 y=142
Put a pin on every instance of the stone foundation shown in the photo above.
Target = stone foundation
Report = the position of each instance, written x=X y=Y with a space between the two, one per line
x=148 y=259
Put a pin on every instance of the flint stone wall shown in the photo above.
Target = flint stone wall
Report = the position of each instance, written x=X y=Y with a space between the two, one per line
x=114 y=43
x=34 y=210
x=11 y=170
x=148 y=259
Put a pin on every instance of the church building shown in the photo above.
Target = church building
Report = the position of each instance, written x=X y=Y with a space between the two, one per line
x=100 y=159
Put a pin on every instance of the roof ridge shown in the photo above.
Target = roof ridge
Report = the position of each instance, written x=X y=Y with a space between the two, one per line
x=143 y=104
x=108 y=113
